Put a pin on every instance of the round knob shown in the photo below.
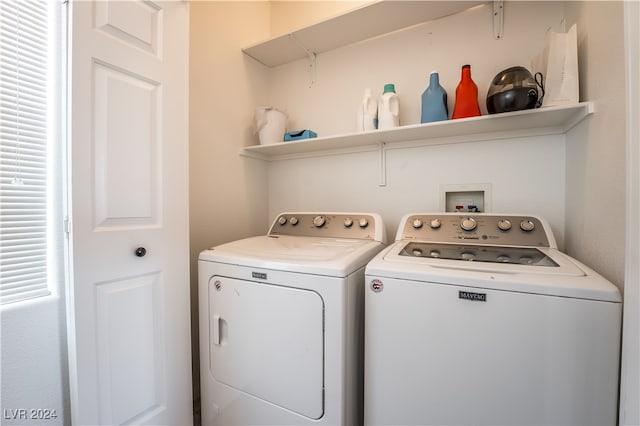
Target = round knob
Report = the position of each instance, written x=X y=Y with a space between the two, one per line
x=504 y=225
x=527 y=225
x=434 y=253
x=141 y=251
x=417 y=223
x=503 y=258
x=319 y=221
x=282 y=220
x=468 y=224
x=293 y=221
x=363 y=222
x=526 y=260
x=435 y=223
x=468 y=256
x=348 y=222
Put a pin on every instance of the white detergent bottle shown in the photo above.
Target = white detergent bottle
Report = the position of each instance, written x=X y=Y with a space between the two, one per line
x=388 y=108
x=367 y=113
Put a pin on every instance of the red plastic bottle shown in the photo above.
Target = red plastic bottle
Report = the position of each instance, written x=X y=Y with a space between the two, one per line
x=466 y=96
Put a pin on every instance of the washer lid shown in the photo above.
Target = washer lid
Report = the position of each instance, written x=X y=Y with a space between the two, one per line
x=557 y=274
x=313 y=255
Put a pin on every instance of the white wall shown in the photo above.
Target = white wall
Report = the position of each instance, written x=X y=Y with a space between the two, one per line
x=406 y=58
x=526 y=175
x=34 y=364
x=414 y=178
x=595 y=212
x=227 y=191
x=287 y=16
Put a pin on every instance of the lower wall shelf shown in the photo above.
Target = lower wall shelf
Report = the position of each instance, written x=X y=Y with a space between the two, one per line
x=537 y=122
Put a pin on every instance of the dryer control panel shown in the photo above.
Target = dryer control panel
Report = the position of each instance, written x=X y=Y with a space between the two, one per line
x=469 y=228
x=330 y=225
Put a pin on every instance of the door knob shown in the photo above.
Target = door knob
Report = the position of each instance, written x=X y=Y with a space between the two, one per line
x=141 y=251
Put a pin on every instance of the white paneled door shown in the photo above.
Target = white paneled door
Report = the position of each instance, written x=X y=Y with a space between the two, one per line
x=129 y=336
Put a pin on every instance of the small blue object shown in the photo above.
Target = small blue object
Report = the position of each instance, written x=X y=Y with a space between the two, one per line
x=299 y=134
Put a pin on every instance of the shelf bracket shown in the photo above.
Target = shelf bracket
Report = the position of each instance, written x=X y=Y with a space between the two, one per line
x=383 y=164
x=310 y=55
x=498 y=19
x=312 y=67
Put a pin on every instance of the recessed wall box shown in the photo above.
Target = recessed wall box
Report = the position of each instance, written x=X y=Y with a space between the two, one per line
x=475 y=198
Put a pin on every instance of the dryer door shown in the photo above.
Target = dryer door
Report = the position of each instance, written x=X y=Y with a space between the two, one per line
x=267 y=340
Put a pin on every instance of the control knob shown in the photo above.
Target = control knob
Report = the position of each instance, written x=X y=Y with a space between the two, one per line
x=348 y=222
x=526 y=260
x=293 y=221
x=435 y=223
x=468 y=224
x=417 y=223
x=363 y=222
x=504 y=225
x=319 y=221
x=468 y=256
x=527 y=225
x=282 y=221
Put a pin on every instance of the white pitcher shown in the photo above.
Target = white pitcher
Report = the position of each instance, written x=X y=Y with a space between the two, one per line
x=271 y=125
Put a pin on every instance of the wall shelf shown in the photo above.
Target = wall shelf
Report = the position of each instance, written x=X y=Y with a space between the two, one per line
x=536 y=122
x=371 y=20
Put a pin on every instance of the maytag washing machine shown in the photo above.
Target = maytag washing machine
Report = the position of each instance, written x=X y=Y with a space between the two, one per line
x=479 y=319
x=281 y=322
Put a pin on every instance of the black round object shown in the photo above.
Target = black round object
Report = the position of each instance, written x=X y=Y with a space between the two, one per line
x=513 y=89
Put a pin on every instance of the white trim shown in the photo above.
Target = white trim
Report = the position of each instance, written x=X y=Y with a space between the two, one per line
x=630 y=373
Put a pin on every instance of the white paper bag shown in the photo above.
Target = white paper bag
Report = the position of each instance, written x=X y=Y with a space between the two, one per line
x=561 y=79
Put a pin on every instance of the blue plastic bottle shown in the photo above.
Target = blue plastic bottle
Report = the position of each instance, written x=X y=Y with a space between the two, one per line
x=434 y=101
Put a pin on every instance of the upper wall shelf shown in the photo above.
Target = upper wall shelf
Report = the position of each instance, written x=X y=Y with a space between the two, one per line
x=374 y=19
x=536 y=122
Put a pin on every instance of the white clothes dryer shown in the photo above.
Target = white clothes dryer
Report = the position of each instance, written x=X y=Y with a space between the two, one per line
x=478 y=319
x=281 y=322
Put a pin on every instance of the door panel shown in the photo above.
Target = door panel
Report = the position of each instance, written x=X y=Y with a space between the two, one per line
x=129 y=326
x=127 y=169
x=268 y=341
x=138 y=24
x=130 y=356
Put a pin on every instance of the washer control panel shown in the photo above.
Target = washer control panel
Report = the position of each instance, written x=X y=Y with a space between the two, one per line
x=469 y=228
x=330 y=225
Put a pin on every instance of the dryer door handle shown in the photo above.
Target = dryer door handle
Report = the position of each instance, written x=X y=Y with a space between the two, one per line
x=215 y=330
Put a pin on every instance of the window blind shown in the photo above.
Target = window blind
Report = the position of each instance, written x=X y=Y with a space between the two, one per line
x=24 y=132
